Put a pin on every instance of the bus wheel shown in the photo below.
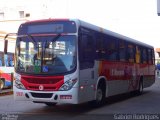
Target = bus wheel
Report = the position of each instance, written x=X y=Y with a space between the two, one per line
x=140 y=88
x=50 y=104
x=1 y=84
x=100 y=97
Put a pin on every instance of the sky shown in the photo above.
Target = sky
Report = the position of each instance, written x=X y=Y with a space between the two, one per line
x=136 y=19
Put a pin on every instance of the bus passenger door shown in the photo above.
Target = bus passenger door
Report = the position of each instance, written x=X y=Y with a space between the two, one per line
x=86 y=65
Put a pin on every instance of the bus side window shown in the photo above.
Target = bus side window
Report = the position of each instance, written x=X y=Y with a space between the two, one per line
x=100 y=46
x=86 y=51
x=122 y=51
x=0 y=62
x=131 y=52
x=138 y=54
x=144 y=56
x=153 y=57
x=6 y=60
x=12 y=60
x=1 y=59
x=149 y=56
x=112 y=49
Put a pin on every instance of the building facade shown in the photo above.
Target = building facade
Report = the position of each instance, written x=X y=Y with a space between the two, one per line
x=15 y=12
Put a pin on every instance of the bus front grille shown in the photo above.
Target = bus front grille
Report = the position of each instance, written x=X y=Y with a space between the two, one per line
x=42 y=80
x=49 y=83
x=42 y=95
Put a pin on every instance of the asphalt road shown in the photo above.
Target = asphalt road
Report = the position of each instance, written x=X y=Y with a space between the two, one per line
x=121 y=107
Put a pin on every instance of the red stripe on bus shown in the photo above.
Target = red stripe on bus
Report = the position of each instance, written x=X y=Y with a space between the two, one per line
x=49 y=83
x=6 y=76
x=47 y=20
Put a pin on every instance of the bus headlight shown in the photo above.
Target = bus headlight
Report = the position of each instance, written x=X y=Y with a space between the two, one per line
x=18 y=83
x=68 y=85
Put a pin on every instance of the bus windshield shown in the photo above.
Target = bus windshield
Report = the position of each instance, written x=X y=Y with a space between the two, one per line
x=53 y=54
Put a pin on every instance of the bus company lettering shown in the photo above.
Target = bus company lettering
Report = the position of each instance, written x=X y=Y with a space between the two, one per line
x=19 y=94
x=115 y=72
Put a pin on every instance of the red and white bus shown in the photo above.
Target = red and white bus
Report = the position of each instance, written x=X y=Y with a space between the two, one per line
x=6 y=70
x=71 y=61
x=6 y=65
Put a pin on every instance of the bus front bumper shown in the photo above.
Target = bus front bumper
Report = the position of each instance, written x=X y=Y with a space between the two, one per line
x=70 y=96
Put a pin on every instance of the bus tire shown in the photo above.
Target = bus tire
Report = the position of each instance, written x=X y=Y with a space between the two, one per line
x=50 y=104
x=140 y=87
x=100 y=96
x=1 y=84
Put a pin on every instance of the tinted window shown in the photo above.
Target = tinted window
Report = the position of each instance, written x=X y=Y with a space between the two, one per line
x=150 y=56
x=112 y=51
x=144 y=55
x=1 y=59
x=138 y=54
x=122 y=50
x=6 y=60
x=131 y=52
x=86 y=50
x=100 y=46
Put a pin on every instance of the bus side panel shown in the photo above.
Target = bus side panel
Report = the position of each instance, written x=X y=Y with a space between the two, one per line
x=5 y=73
x=123 y=77
x=148 y=75
x=117 y=75
x=87 y=85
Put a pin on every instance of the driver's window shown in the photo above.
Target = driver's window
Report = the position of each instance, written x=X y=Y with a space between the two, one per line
x=87 y=51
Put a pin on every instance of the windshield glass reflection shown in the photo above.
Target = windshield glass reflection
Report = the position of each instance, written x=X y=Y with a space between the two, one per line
x=45 y=54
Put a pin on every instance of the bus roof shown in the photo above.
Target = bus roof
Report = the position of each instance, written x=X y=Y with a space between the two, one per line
x=96 y=28
x=46 y=20
x=114 y=34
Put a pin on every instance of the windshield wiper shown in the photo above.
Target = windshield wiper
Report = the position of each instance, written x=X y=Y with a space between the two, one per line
x=54 y=39
x=32 y=38
x=29 y=36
